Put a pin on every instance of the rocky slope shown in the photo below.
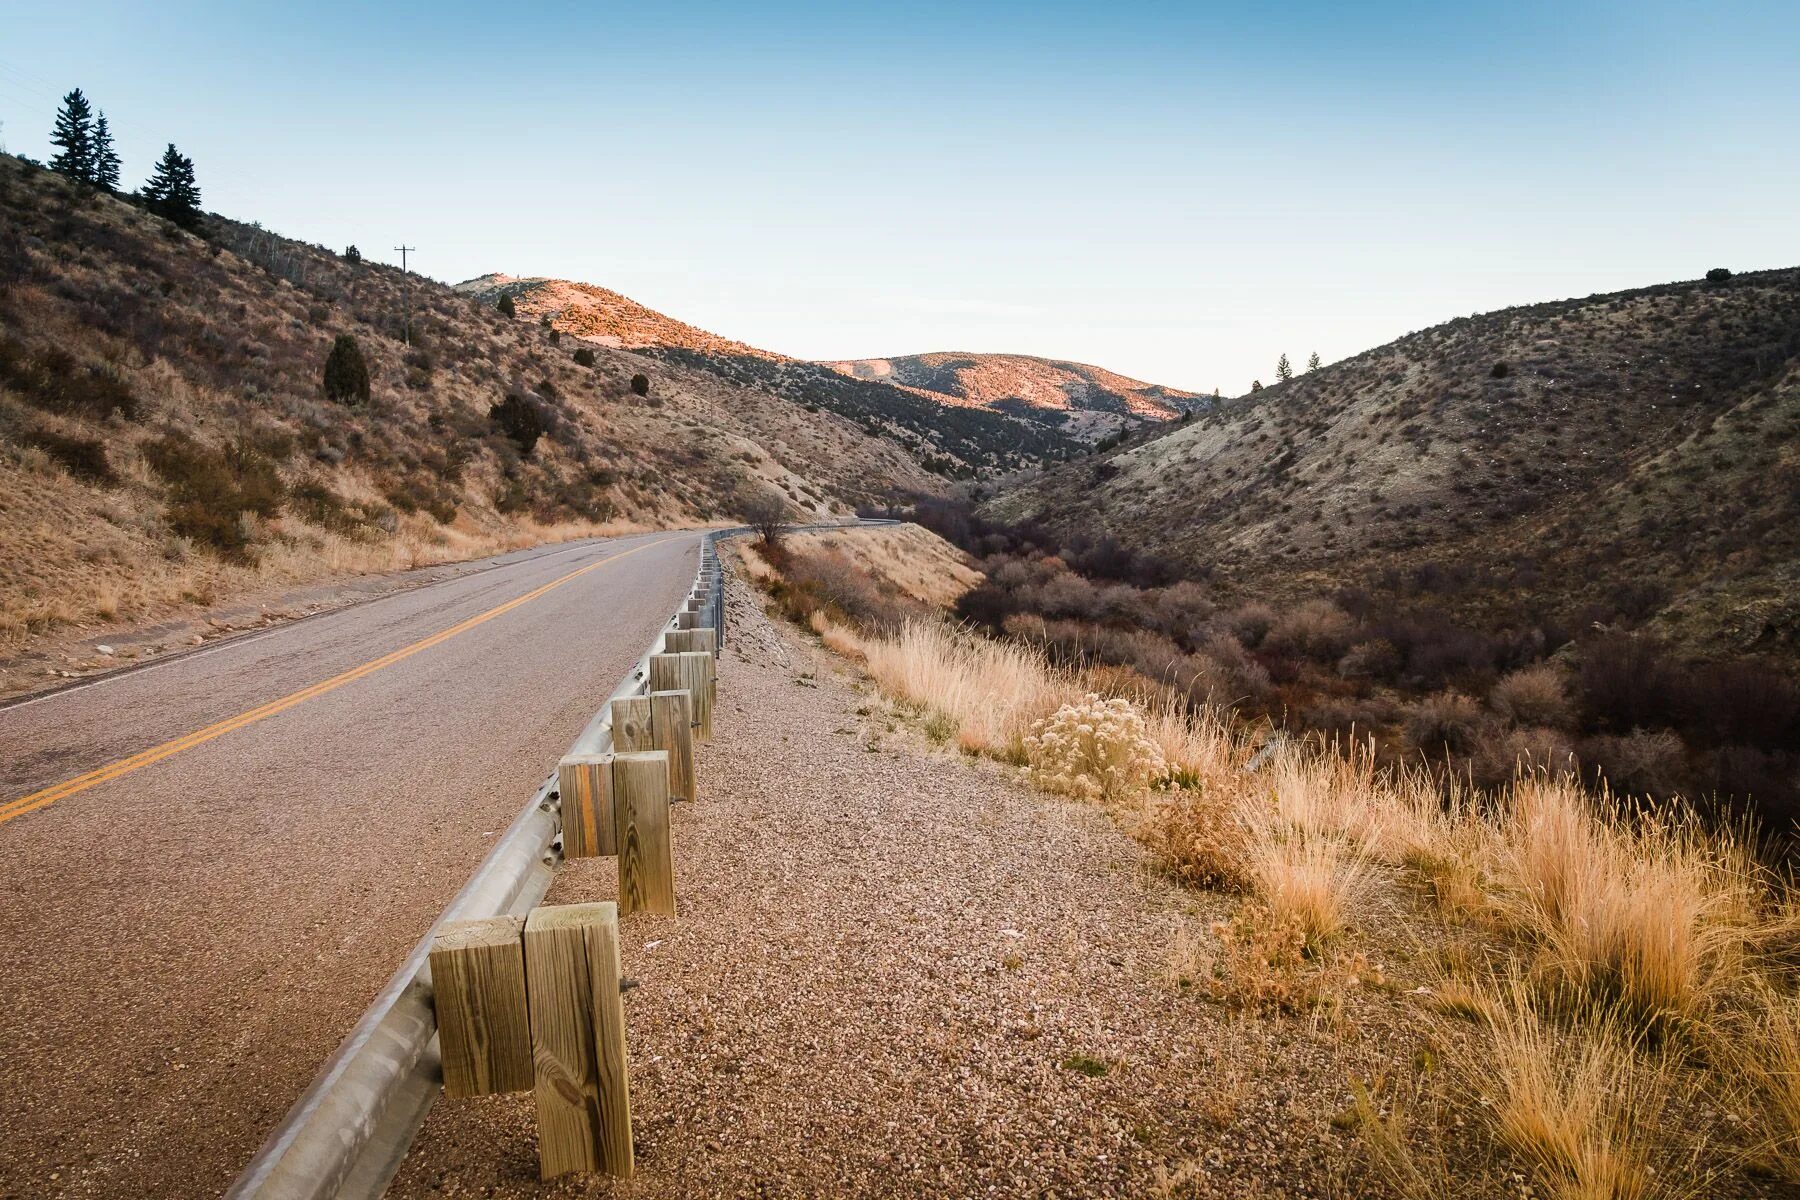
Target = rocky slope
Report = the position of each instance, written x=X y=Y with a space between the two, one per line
x=1635 y=453
x=1083 y=401
x=166 y=440
x=952 y=441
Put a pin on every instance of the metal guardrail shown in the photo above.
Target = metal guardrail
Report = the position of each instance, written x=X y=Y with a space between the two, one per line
x=347 y=1135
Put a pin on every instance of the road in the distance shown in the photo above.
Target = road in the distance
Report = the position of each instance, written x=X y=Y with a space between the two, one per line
x=182 y=946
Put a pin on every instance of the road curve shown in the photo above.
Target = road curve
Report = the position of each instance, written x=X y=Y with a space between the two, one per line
x=208 y=868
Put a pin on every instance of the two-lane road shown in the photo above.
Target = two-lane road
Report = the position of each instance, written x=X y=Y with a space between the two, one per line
x=208 y=867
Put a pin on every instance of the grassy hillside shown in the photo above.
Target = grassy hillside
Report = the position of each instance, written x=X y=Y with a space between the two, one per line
x=1086 y=402
x=1622 y=458
x=166 y=439
x=954 y=441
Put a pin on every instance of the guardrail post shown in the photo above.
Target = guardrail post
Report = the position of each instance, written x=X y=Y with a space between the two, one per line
x=582 y=1088
x=678 y=641
x=631 y=724
x=585 y=782
x=690 y=671
x=478 y=990
x=646 y=859
x=688 y=618
x=672 y=731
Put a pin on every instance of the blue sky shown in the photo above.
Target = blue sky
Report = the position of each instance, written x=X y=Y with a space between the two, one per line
x=1178 y=192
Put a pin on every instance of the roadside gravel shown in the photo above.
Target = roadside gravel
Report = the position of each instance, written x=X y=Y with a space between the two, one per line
x=898 y=972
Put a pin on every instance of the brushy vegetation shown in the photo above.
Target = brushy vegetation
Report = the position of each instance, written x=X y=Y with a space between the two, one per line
x=1617 y=706
x=1612 y=1013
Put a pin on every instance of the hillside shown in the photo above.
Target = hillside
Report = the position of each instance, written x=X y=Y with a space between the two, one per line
x=952 y=440
x=1083 y=401
x=1620 y=457
x=166 y=441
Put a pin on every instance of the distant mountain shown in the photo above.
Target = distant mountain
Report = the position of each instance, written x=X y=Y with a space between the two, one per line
x=599 y=315
x=949 y=438
x=1085 y=401
x=1633 y=453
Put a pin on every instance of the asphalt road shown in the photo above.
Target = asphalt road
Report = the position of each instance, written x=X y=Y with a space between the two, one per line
x=209 y=867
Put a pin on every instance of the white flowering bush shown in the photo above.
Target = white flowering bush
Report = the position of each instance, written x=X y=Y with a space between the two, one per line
x=1095 y=750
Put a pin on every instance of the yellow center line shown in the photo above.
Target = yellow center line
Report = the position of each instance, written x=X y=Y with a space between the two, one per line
x=143 y=758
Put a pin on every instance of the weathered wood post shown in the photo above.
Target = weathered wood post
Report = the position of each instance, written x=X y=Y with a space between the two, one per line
x=672 y=731
x=677 y=641
x=690 y=671
x=478 y=989
x=688 y=619
x=581 y=1084
x=631 y=724
x=585 y=784
x=646 y=857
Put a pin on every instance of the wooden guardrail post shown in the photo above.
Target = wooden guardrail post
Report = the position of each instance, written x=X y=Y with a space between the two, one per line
x=581 y=1084
x=646 y=859
x=478 y=989
x=690 y=671
x=631 y=724
x=672 y=731
x=688 y=619
x=676 y=641
x=585 y=783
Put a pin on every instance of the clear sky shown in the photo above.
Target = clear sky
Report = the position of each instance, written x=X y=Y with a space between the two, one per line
x=1178 y=192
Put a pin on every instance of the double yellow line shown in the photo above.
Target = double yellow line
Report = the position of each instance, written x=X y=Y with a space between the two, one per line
x=143 y=758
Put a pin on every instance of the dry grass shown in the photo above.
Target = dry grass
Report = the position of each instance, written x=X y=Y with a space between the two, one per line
x=993 y=691
x=1615 y=962
x=1649 y=913
x=905 y=558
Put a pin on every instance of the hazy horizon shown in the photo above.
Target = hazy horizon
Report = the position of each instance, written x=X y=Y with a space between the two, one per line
x=1179 y=196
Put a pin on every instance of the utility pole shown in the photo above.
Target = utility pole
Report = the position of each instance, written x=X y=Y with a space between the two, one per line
x=406 y=291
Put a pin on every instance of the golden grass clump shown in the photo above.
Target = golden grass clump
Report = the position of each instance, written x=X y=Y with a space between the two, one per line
x=993 y=691
x=1647 y=912
x=1583 y=1101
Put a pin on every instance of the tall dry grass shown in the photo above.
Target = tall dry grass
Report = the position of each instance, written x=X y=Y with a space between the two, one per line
x=993 y=691
x=1616 y=968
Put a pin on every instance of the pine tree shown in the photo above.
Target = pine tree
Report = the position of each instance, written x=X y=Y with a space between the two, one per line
x=106 y=160
x=1283 y=369
x=506 y=307
x=171 y=191
x=1256 y=385
x=346 y=372
x=74 y=132
x=1312 y=364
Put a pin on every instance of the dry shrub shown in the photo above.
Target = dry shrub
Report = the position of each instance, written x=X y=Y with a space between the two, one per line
x=1501 y=758
x=1196 y=834
x=1640 y=763
x=1250 y=623
x=1263 y=964
x=1445 y=724
x=1317 y=629
x=1093 y=749
x=1536 y=695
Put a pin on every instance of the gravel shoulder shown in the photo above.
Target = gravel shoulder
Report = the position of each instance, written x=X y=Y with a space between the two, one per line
x=899 y=972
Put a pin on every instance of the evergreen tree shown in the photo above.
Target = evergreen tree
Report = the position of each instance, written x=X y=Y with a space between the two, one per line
x=1256 y=385
x=346 y=372
x=74 y=132
x=171 y=191
x=106 y=160
x=1283 y=369
x=506 y=307
x=1312 y=364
